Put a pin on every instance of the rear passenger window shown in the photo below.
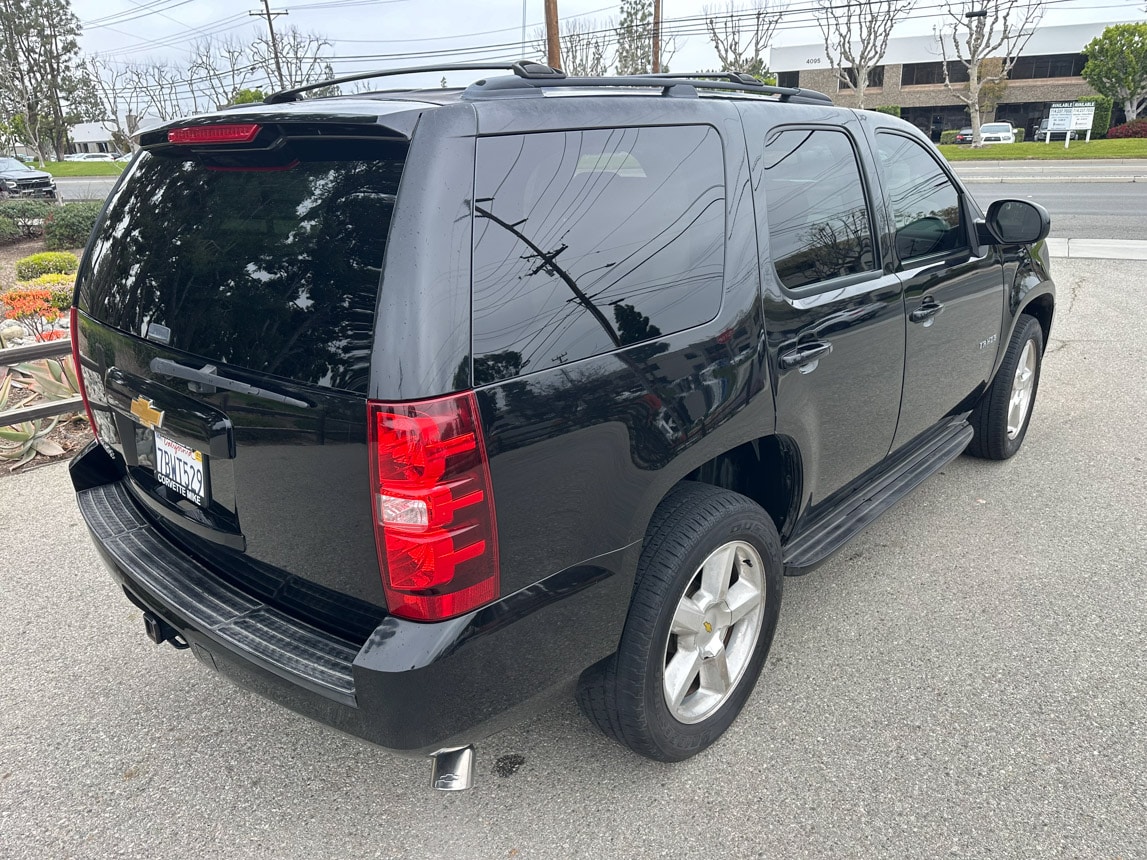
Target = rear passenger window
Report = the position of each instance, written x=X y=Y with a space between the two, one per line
x=586 y=241
x=819 y=225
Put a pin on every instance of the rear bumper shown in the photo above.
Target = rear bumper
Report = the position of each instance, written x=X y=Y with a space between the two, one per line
x=411 y=687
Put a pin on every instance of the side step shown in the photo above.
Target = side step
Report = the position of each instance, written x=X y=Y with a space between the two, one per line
x=833 y=528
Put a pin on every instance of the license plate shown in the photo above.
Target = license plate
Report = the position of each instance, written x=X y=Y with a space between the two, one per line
x=181 y=469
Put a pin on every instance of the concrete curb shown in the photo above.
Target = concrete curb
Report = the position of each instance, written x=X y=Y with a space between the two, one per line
x=1098 y=249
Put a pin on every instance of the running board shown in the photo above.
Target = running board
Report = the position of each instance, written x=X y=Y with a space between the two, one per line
x=833 y=528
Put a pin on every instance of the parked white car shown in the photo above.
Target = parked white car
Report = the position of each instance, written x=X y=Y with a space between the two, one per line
x=91 y=156
x=997 y=132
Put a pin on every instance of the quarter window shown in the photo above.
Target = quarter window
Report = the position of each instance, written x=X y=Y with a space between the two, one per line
x=925 y=204
x=819 y=225
x=586 y=241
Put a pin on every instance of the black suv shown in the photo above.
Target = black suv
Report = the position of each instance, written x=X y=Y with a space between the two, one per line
x=18 y=180
x=416 y=408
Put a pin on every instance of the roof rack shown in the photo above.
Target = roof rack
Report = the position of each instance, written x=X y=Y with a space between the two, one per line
x=530 y=78
x=789 y=94
x=522 y=69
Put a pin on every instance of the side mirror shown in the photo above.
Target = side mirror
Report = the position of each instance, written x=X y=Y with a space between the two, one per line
x=1017 y=222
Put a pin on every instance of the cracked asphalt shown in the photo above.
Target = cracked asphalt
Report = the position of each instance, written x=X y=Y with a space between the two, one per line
x=967 y=679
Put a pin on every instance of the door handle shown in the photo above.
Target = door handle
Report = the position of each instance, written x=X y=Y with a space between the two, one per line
x=804 y=355
x=926 y=312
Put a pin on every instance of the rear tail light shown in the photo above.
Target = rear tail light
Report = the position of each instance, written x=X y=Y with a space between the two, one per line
x=229 y=133
x=74 y=329
x=434 y=521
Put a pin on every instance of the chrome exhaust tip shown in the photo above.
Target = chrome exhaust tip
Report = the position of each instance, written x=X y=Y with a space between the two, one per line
x=452 y=769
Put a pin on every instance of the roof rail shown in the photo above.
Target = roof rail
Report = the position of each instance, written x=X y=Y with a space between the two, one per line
x=793 y=94
x=523 y=69
x=670 y=84
x=529 y=78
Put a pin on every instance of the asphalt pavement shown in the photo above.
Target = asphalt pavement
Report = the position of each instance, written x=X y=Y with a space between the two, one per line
x=966 y=679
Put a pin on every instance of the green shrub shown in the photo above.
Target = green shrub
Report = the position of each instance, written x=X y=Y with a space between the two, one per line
x=1101 y=120
x=47 y=263
x=69 y=226
x=9 y=230
x=29 y=215
x=60 y=286
x=947 y=137
x=1019 y=135
x=891 y=110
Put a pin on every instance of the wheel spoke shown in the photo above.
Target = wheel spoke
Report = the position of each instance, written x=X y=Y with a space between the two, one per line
x=717 y=571
x=715 y=673
x=742 y=599
x=688 y=619
x=680 y=673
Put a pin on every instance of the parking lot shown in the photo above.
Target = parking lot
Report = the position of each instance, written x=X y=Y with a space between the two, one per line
x=967 y=679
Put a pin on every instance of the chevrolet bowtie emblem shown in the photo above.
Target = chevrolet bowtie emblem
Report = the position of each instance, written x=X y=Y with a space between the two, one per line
x=145 y=411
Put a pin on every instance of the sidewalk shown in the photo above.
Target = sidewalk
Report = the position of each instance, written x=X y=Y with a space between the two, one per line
x=1098 y=249
x=1084 y=171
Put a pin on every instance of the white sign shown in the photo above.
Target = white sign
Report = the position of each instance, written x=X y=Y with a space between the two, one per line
x=1065 y=116
x=1059 y=119
x=1082 y=114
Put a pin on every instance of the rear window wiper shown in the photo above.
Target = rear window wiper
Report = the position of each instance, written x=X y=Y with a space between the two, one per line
x=208 y=379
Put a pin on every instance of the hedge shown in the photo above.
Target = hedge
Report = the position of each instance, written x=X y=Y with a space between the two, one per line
x=891 y=110
x=1020 y=135
x=28 y=215
x=47 y=263
x=9 y=230
x=948 y=137
x=69 y=226
x=1101 y=121
x=1135 y=128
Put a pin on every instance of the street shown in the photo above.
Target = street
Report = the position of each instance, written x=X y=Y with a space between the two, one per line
x=1086 y=200
x=966 y=679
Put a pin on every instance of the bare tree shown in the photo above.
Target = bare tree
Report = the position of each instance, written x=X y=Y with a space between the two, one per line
x=584 y=47
x=740 y=36
x=219 y=68
x=999 y=30
x=164 y=87
x=122 y=99
x=301 y=54
x=856 y=37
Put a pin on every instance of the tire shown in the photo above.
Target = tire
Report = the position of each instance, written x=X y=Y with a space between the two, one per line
x=1000 y=420
x=626 y=695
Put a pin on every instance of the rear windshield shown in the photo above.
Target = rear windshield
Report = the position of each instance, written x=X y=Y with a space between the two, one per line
x=271 y=263
x=996 y=127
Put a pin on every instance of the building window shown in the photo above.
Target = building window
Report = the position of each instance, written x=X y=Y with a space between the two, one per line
x=1048 y=66
x=788 y=79
x=919 y=74
x=875 y=77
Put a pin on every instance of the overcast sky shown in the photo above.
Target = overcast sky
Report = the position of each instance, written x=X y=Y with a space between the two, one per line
x=370 y=34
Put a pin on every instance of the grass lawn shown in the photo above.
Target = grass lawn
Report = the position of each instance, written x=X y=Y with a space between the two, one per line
x=1127 y=148
x=81 y=168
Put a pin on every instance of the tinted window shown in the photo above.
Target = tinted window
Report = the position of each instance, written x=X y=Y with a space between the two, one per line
x=915 y=74
x=818 y=219
x=272 y=267
x=925 y=203
x=585 y=241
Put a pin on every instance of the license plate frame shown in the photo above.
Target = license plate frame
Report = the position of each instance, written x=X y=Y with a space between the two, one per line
x=182 y=469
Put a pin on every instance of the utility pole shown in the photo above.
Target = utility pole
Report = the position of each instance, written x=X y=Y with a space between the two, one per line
x=553 y=45
x=271 y=16
x=656 y=36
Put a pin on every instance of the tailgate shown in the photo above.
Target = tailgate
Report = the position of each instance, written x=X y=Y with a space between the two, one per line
x=226 y=312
